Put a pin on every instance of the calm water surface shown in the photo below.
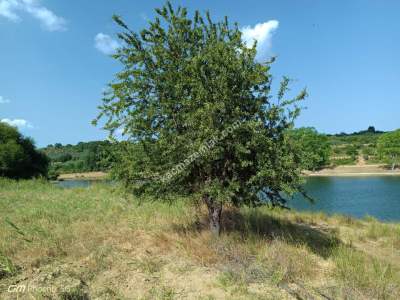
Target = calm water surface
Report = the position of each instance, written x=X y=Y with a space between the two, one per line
x=356 y=196
x=79 y=183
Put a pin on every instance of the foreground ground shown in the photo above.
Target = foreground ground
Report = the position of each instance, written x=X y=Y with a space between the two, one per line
x=98 y=243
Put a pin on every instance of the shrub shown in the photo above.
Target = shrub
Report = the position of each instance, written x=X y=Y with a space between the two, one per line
x=18 y=155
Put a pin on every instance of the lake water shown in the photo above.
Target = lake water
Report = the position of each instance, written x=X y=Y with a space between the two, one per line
x=79 y=183
x=356 y=196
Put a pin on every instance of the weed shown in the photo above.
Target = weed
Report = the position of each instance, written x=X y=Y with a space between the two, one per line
x=7 y=268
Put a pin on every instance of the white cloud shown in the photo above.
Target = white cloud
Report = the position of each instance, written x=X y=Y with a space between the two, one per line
x=20 y=123
x=262 y=33
x=48 y=19
x=7 y=9
x=4 y=100
x=105 y=43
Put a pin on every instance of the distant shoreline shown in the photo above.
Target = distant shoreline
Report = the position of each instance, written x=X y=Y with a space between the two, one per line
x=84 y=176
x=340 y=171
x=351 y=174
x=354 y=170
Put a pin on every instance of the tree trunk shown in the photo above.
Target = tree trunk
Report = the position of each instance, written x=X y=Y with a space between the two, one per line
x=214 y=213
x=393 y=166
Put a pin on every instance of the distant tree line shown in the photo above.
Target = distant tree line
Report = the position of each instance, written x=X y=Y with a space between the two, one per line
x=317 y=151
x=102 y=155
x=320 y=150
x=370 y=130
x=20 y=159
x=83 y=157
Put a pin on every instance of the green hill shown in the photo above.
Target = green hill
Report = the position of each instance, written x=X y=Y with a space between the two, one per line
x=82 y=157
x=346 y=148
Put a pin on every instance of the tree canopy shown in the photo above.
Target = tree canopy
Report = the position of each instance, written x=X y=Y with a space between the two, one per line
x=315 y=147
x=83 y=157
x=18 y=155
x=199 y=114
x=389 y=147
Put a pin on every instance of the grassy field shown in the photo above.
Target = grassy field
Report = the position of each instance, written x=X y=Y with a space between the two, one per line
x=98 y=243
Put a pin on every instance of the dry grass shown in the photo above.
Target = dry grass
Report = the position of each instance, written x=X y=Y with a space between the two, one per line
x=363 y=277
x=100 y=243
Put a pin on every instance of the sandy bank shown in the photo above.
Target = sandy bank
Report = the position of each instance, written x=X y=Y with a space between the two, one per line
x=356 y=170
x=86 y=176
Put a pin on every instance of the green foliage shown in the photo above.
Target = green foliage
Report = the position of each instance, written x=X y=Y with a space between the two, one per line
x=351 y=150
x=53 y=174
x=83 y=157
x=191 y=95
x=63 y=157
x=369 y=136
x=315 y=147
x=347 y=147
x=389 y=147
x=18 y=155
x=343 y=162
x=369 y=151
x=7 y=268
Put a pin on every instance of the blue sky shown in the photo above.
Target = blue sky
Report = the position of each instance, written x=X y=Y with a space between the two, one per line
x=54 y=59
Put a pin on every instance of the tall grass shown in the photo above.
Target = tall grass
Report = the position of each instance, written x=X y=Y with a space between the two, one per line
x=363 y=277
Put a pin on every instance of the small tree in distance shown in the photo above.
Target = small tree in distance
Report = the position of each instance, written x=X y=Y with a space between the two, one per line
x=389 y=147
x=18 y=155
x=189 y=84
x=314 y=146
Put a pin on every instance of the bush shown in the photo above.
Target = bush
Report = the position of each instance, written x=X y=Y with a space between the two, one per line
x=53 y=174
x=315 y=147
x=18 y=155
x=63 y=157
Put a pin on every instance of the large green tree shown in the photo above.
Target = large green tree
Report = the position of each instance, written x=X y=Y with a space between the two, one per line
x=315 y=147
x=389 y=147
x=197 y=109
x=18 y=155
